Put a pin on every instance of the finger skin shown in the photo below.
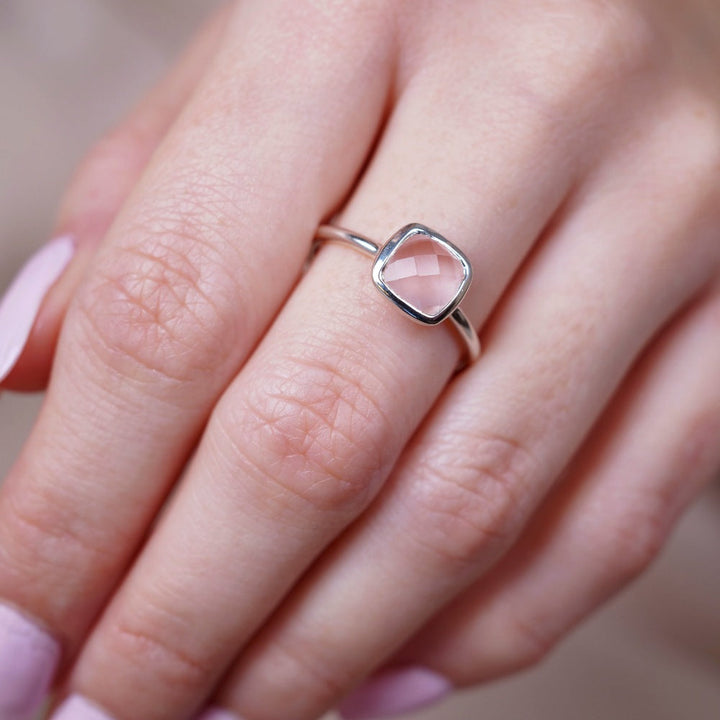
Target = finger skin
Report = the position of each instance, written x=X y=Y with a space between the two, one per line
x=144 y=357
x=33 y=309
x=555 y=352
x=306 y=435
x=654 y=450
x=177 y=298
x=98 y=190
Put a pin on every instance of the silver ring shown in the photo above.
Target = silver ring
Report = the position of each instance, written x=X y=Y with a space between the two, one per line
x=424 y=274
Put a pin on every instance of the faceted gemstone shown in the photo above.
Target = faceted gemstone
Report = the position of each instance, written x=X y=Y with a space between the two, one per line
x=423 y=274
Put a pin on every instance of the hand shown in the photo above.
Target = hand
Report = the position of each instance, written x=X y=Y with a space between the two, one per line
x=350 y=506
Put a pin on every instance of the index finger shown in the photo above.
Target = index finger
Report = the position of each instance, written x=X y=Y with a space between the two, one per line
x=32 y=310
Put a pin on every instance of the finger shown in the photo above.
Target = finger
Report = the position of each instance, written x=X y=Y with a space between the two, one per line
x=555 y=352
x=34 y=306
x=178 y=295
x=651 y=454
x=314 y=422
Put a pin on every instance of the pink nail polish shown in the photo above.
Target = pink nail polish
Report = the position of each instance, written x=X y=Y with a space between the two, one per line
x=395 y=692
x=216 y=713
x=77 y=707
x=21 y=303
x=28 y=660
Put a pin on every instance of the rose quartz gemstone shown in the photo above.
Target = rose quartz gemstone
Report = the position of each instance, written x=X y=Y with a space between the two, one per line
x=423 y=274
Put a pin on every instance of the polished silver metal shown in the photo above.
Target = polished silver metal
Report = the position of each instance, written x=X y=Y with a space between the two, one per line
x=382 y=255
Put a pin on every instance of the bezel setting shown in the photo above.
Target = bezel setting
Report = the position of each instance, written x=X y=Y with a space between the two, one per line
x=386 y=255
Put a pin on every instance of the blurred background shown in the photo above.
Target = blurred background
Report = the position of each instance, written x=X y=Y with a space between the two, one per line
x=68 y=70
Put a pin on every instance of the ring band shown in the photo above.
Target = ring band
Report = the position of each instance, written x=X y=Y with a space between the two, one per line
x=424 y=274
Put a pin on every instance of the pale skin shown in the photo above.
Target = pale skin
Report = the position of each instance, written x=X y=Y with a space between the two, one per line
x=350 y=505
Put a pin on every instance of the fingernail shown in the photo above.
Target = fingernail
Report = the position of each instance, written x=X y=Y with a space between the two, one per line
x=395 y=692
x=216 y=713
x=76 y=707
x=28 y=659
x=22 y=300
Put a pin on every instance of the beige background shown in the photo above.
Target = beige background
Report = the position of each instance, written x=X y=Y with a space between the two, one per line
x=68 y=68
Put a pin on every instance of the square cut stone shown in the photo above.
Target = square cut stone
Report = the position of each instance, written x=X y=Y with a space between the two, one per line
x=424 y=274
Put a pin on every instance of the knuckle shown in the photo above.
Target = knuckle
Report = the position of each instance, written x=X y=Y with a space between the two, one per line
x=313 y=427
x=303 y=671
x=335 y=26
x=699 y=445
x=310 y=665
x=690 y=174
x=318 y=669
x=472 y=495
x=635 y=539
x=103 y=178
x=617 y=38
x=164 y=304
x=525 y=645
x=139 y=643
x=590 y=48
x=700 y=127
x=123 y=146
x=360 y=15
x=43 y=538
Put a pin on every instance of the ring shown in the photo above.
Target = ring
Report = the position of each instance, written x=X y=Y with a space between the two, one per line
x=424 y=275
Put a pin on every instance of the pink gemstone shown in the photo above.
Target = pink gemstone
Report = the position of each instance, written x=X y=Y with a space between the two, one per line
x=423 y=274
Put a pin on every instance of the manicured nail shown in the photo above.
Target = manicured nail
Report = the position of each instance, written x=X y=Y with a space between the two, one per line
x=22 y=301
x=395 y=692
x=28 y=659
x=216 y=713
x=77 y=707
